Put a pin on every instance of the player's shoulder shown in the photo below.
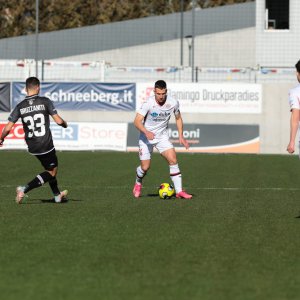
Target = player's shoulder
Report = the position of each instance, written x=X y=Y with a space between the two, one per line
x=22 y=103
x=43 y=99
x=295 y=90
x=294 y=98
x=149 y=101
x=172 y=101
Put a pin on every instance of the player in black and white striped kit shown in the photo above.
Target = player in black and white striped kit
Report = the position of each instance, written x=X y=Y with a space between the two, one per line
x=35 y=112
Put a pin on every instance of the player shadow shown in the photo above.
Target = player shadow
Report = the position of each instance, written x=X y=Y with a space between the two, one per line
x=297 y=217
x=45 y=201
x=172 y=198
x=152 y=195
x=156 y=195
x=64 y=202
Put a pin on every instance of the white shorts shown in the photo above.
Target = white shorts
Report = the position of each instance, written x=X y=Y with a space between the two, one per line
x=146 y=148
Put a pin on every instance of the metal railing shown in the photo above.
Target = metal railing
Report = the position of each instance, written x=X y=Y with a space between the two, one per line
x=100 y=71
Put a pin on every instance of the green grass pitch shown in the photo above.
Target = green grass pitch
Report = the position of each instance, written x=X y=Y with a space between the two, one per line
x=238 y=238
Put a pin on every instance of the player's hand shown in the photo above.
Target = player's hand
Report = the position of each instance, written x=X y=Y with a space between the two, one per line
x=64 y=124
x=184 y=142
x=291 y=148
x=1 y=142
x=149 y=135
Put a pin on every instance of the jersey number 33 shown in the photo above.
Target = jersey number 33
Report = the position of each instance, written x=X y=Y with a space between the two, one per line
x=36 y=125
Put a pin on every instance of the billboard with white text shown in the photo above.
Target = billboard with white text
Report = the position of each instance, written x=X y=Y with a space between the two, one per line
x=83 y=95
x=210 y=138
x=78 y=136
x=237 y=98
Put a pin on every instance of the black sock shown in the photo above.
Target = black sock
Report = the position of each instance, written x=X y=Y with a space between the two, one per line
x=54 y=187
x=38 y=181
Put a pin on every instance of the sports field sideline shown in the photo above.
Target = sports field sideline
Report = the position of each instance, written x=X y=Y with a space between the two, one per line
x=238 y=238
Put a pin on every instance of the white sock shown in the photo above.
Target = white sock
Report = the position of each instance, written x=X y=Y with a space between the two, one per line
x=175 y=175
x=139 y=175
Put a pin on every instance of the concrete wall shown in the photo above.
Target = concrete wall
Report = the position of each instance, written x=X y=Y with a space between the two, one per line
x=273 y=122
x=277 y=48
x=152 y=41
x=224 y=49
x=224 y=37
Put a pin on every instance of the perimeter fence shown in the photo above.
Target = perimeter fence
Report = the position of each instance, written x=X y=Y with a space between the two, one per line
x=101 y=71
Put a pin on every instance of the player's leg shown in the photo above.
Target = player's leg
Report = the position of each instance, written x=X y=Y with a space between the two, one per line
x=145 y=151
x=36 y=182
x=58 y=195
x=142 y=170
x=50 y=163
x=168 y=152
x=52 y=167
x=175 y=174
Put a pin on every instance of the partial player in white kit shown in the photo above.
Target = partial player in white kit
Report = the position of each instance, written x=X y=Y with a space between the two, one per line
x=294 y=101
x=152 y=120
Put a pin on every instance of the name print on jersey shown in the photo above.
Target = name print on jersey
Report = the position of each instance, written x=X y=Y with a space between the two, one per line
x=29 y=109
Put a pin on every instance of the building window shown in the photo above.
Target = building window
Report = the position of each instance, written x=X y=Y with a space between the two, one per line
x=277 y=15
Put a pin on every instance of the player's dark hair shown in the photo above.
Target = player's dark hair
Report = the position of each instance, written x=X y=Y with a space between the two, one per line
x=32 y=82
x=160 y=84
x=297 y=65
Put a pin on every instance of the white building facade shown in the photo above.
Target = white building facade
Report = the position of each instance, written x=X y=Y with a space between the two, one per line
x=277 y=32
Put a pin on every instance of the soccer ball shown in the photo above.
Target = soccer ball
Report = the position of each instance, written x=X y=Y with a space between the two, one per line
x=166 y=191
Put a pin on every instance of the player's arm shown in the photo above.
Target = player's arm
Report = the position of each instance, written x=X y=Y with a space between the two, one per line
x=138 y=123
x=179 y=124
x=294 y=124
x=59 y=121
x=6 y=131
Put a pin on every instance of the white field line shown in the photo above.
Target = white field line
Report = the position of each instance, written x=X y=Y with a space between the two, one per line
x=113 y=187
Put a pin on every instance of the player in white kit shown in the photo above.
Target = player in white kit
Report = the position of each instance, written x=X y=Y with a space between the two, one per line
x=294 y=101
x=152 y=121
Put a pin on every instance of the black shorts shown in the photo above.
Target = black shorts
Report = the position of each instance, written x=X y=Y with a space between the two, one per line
x=49 y=160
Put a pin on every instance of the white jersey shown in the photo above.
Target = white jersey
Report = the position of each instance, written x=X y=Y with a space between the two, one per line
x=294 y=98
x=157 y=117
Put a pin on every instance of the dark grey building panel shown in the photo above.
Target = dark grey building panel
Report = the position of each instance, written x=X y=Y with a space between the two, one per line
x=128 y=33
